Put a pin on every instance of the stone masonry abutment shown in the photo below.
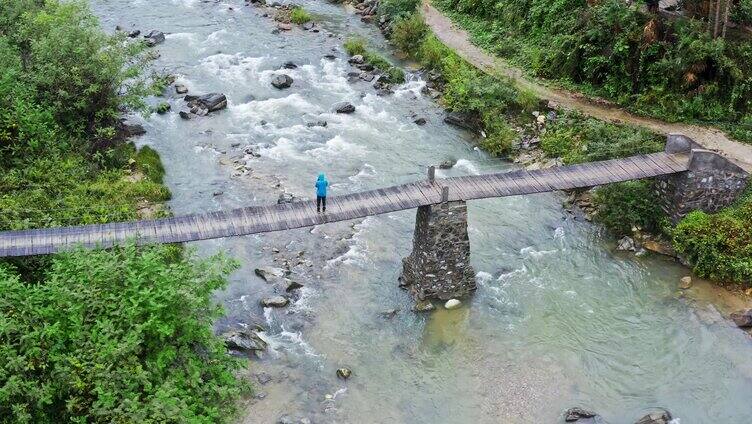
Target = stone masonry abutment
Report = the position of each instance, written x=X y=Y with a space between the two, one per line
x=711 y=183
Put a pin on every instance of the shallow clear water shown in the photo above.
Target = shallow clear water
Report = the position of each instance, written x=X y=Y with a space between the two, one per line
x=558 y=320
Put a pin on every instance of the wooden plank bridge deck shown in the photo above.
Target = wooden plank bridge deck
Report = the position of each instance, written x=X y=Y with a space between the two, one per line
x=263 y=219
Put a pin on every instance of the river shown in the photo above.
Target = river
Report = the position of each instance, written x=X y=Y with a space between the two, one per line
x=559 y=319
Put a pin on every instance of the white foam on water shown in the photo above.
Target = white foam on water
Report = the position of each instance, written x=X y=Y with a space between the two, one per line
x=337 y=148
x=340 y=391
x=283 y=149
x=530 y=252
x=559 y=233
x=513 y=273
x=483 y=277
x=269 y=109
x=467 y=166
x=237 y=68
x=413 y=85
x=367 y=172
x=355 y=255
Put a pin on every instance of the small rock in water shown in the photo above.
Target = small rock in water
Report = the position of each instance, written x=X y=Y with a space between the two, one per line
x=452 y=304
x=134 y=33
x=308 y=26
x=344 y=373
x=275 y=302
x=185 y=114
x=317 y=124
x=742 y=319
x=423 y=306
x=389 y=313
x=163 y=108
x=575 y=414
x=659 y=417
x=281 y=81
x=287 y=285
x=420 y=121
x=330 y=56
x=626 y=244
x=181 y=89
x=263 y=378
x=289 y=65
x=284 y=27
x=685 y=283
x=343 y=107
x=447 y=164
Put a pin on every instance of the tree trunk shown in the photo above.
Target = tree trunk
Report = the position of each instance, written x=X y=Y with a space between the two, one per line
x=729 y=5
x=717 y=25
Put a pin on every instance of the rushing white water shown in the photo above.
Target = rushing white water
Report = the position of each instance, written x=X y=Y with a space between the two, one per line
x=558 y=319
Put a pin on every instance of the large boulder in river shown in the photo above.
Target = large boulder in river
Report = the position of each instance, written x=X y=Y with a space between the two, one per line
x=154 y=37
x=211 y=102
x=282 y=81
x=269 y=274
x=742 y=319
x=343 y=107
x=658 y=417
x=244 y=341
x=275 y=302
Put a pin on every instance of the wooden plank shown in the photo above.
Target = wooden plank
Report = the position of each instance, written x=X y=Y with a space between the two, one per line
x=499 y=185
x=678 y=163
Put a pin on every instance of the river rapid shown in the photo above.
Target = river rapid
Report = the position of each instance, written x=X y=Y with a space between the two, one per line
x=559 y=319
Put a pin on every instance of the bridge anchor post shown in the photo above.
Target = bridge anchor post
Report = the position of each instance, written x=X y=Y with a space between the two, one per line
x=439 y=265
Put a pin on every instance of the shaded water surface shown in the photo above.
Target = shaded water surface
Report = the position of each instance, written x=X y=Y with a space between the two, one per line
x=558 y=320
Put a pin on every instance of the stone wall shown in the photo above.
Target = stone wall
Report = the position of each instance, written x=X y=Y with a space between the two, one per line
x=439 y=265
x=711 y=183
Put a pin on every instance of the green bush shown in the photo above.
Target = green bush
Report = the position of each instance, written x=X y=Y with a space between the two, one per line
x=577 y=139
x=299 y=16
x=499 y=137
x=355 y=46
x=116 y=336
x=391 y=74
x=719 y=246
x=408 y=33
x=622 y=206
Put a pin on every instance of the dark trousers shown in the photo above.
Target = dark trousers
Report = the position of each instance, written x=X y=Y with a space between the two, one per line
x=319 y=201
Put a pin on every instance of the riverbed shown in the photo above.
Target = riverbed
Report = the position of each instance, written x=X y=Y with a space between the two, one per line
x=559 y=319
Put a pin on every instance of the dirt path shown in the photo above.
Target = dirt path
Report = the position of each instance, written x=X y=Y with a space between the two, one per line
x=459 y=41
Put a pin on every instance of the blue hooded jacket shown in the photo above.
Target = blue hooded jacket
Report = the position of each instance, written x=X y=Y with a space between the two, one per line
x=321 y=185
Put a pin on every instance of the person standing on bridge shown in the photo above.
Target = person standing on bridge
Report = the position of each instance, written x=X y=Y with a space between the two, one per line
x=321 y=185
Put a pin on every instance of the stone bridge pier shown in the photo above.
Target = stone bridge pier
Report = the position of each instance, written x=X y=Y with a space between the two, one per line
x=439 y=265
x=711 y=183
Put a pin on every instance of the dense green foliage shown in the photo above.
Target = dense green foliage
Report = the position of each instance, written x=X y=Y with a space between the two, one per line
x=390 y=73
x=299 y=16
x=62 y=84
x=670 y=69
x=115 y=336
x=629 y=204
x=122 y=336
x=578 y=139
x=719 y=245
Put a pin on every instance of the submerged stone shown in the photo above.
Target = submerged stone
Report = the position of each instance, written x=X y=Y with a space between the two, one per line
x=452 y=304
x=659 y=417
x=344 y=373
